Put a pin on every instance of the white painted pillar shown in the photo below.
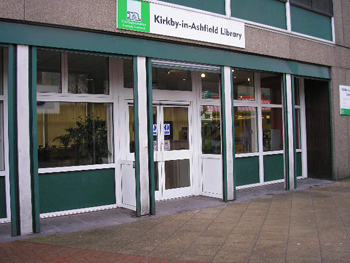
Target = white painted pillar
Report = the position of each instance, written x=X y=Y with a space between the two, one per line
x=143 y=135
x=231 y=189
x=290 y=132
x=23 y=140
x=228 y=8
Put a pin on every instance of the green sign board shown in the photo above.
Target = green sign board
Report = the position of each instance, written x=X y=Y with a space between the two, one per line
x=134 y=15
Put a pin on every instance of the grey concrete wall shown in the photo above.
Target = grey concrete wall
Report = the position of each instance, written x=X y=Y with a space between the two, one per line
x=12 y=9
x=100 y=15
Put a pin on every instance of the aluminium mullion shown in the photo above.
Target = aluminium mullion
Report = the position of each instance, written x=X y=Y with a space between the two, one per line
x=64 y=73
x=303 y=127
x=260 y=127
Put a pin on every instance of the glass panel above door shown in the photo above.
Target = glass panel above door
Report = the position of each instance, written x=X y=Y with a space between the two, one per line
x=171 y=79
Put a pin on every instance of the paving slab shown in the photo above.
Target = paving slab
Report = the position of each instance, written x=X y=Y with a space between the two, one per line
x=275 y=227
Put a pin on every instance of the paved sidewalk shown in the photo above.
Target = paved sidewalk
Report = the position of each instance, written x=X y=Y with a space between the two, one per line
x=304 y=226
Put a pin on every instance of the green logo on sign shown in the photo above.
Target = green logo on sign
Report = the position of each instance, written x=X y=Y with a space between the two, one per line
x=134 y=15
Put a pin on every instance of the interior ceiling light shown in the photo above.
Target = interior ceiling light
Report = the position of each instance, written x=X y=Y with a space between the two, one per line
x=203 y=75
x=248 y=79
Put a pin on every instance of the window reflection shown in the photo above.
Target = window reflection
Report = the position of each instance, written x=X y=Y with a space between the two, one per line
x=49 y=71
x=74 y=134
x=210 y=85
x=211 y=134
x=243 y=83
x=271 y=88
x=246 y=133
x=272 y=129
x=87 y=74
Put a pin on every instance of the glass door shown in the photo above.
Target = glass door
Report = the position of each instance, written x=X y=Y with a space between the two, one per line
x=174 y=152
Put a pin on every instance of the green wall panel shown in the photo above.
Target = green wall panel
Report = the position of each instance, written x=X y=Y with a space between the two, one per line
x=217 y=6
x=268 y=12
x=2 y=198
x=74 y=190
x=273 y=167
x=299 y=170
x=310 y=23
x=247 y=170
x=115 y=44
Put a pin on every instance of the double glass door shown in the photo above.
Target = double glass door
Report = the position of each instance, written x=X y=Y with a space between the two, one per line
x=171 y=142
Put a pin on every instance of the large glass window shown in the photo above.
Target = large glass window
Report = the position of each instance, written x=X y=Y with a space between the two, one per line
x=72 y=134
x=246 y=130
x=211 y=133
x=87 y=74
x=171 y=79
x=49 y=71
x=74 y=128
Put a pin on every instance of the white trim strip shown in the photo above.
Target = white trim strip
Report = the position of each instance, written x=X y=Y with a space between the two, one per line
x=171 y=63
x=229 y=135
x=5 y=220
x=76 y=168
x=290 y=130
x=143 y=134
x=78 y=211
x=23 y=139
x=228 y=8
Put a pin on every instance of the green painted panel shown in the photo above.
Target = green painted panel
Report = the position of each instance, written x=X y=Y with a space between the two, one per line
x=113 y=44
x=310 y=23
x=217 y=6
x=74 y=190
x=299 y=169
x=273 y=167
x=2 y=198
x=268 y=12
x=247 y=170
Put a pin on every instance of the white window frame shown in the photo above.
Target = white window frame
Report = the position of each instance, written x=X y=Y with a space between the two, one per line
x=65 y=96
x=257 y=104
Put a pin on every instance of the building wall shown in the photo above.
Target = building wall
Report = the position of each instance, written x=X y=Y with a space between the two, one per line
x=101 y=15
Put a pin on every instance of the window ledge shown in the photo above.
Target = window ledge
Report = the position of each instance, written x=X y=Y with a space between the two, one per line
x=76 y=168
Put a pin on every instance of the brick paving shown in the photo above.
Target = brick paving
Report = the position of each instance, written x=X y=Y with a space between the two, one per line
x=303 y=226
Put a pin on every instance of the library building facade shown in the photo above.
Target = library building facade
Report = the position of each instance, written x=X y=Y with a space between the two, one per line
x=124 y=103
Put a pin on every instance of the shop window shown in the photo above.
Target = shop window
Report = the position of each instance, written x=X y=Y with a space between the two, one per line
x=87 y=74
x=210 y=85
x=272 y=123
x=74 y=128
x=246 y=129
x=71 y=134
x=171 y=79
x=211 y=130
x=243 y=82
x=324 y=7
x=49 y=71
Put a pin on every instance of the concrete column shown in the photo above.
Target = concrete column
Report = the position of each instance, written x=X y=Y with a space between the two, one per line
x=141 y=137
x=290 y=134
x=23 y=141
x=227 y=132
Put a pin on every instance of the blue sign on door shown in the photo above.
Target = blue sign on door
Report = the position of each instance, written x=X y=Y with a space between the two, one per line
x=155 y=130
x=166 y=129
